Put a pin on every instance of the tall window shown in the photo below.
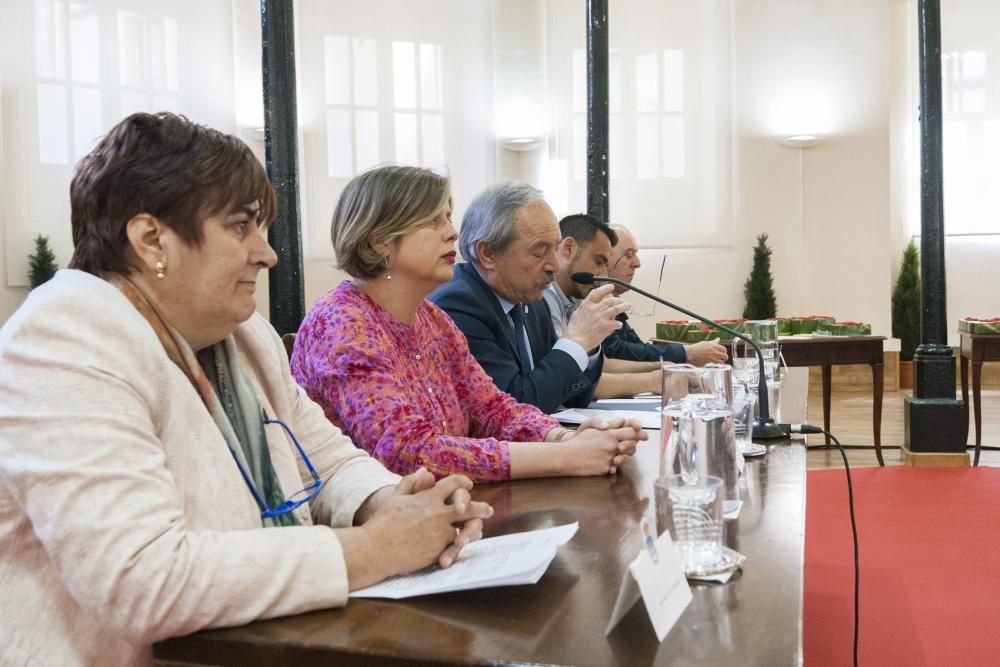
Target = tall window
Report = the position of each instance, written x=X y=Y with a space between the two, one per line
x=357 y=120
x=970 y=88
x=417 y=103
x=77 y=97
x=391 y=81
x=147 y=62
x=68 y=94
x=971 y=143
x=352 y=122
x=659 y=108
x=74 y=68
x=670 y=129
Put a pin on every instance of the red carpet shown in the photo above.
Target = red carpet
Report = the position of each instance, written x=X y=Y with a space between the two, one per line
x=930 y=567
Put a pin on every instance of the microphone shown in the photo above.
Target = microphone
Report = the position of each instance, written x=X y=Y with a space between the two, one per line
x=764 y=427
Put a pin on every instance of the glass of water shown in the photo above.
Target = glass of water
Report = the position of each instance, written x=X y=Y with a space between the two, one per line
x=744 y=397
x=765 y=334
x=744 y=363
x=691 y=510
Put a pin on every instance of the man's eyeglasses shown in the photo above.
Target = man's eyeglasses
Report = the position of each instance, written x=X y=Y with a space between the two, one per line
x=629 y=255
x=296 y=499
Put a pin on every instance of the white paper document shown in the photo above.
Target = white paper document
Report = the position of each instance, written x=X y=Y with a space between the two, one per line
x=507 y=560
x=649 y=420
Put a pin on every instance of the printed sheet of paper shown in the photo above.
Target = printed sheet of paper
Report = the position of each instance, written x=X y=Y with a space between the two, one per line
x=518 y=558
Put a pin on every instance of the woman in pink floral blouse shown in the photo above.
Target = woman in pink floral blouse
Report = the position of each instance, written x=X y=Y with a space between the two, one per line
x=392 y=370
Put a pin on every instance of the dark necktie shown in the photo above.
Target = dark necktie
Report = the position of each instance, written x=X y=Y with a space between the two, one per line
x=517 y=316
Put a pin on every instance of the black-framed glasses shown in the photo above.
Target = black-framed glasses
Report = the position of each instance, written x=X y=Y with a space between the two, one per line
x=298 y=498
x=628 y=254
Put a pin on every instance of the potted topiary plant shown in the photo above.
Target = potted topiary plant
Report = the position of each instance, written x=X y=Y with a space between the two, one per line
x=906 y=312
x=42 y=264
x=758 y=290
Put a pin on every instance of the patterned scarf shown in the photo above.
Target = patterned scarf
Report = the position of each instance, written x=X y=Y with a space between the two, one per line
x=227 y=394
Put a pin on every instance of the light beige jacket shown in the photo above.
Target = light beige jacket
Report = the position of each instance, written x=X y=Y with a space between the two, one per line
x=123 y=517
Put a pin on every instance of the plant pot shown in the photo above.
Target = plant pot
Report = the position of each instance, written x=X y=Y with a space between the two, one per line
x=906 y=375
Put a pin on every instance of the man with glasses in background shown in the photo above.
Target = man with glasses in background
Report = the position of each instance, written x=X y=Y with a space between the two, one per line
x=625 y=343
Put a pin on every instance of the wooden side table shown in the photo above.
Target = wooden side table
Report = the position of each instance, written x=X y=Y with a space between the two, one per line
x=976 y=348
x=842 y=350
x=829 y=351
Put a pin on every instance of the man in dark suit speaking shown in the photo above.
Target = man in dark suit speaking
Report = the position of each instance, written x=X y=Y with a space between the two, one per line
x=509 y=237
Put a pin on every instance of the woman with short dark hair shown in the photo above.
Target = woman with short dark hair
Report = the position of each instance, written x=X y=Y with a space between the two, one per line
x=150 y=430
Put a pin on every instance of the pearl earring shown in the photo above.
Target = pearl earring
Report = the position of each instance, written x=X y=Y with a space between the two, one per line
x=160 y=269
x=387 y=275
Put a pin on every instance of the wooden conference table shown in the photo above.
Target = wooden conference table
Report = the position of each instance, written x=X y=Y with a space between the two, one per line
x=756 y=618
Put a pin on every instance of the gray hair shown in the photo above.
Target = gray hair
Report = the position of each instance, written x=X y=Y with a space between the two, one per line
x=490 y=217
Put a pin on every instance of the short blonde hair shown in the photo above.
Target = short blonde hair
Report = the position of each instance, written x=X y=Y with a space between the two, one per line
x=380 y=205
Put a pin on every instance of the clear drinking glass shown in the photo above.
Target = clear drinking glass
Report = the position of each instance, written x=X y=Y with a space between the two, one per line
x=717 y=380
x=765 y=334
x=745 y=363
x=691 y=510
x=744 y=399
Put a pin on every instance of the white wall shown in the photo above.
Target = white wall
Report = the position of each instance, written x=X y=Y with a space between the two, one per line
x=822 y=68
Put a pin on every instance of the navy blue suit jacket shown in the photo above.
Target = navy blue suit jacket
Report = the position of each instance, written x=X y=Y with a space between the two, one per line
x=556 y=378
x=626 y=344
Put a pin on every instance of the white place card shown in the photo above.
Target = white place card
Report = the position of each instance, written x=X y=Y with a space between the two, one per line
x=661 y=583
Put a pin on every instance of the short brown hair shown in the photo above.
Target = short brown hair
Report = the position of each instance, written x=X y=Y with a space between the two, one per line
x=379 y=206
x=164 y=165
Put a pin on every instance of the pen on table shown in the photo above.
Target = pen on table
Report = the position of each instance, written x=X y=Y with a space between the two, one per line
x=647 y=535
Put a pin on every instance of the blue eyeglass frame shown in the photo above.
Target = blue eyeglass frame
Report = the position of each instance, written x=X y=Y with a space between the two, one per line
x=297 y=499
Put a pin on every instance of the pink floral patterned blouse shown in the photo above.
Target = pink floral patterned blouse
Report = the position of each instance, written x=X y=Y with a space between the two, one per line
x=410 y=395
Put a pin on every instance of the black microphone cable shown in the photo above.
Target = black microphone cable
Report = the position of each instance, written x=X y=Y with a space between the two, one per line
x=808 y=428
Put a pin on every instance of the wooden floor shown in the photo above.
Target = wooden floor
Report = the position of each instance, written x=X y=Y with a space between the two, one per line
x=851 y=422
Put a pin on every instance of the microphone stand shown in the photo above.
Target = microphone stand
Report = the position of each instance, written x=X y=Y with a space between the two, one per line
x=764 y=427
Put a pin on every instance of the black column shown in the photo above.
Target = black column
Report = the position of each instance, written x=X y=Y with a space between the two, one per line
x=598 y=166
x=287 y=301
x=933 y=419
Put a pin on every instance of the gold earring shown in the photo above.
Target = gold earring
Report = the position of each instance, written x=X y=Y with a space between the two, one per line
x=160 y=269
x=387 y=275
